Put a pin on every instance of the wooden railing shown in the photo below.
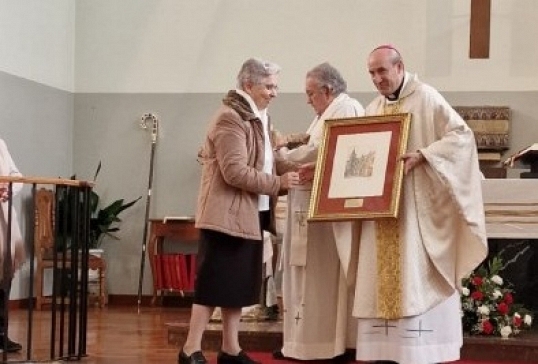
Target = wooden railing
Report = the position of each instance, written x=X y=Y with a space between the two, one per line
x=69 y=304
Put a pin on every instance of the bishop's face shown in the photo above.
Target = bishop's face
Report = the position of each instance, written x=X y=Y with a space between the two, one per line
x=263 y=92
x=386 y=74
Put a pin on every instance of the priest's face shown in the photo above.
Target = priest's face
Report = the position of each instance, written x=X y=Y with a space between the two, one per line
x=264 y=91
x=386 y=69
x=319 y=97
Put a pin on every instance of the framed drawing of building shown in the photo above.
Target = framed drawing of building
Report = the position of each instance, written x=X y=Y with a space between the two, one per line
x=358 y=171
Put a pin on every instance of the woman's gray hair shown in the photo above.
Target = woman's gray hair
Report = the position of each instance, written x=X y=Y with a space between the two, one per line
x=328 y=76
x=254 y=69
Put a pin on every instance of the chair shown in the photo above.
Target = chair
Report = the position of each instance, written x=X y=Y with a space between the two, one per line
x=44 y=245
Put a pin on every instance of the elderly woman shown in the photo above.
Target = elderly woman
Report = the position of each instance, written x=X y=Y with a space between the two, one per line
x=240 y=180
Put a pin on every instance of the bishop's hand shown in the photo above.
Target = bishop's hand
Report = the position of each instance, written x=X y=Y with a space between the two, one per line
x=411 y=160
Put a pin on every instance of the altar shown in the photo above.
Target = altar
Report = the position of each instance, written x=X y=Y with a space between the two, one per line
x=511 y=210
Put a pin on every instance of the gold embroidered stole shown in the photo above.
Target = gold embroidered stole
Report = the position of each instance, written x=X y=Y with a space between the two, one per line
x=389 y=274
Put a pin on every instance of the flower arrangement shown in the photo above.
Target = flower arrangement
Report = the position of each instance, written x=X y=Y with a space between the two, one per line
x=487 y=302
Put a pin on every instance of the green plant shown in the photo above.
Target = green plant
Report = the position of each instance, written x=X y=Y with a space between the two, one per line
x=105 y=221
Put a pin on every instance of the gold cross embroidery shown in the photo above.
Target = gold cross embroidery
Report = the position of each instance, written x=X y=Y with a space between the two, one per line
x=392 y=108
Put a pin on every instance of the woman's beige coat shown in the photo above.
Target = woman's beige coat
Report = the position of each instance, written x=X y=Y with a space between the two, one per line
x=232 y=178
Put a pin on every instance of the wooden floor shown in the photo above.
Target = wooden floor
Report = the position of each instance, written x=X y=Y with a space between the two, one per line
x=115 y=335
x=121 y=334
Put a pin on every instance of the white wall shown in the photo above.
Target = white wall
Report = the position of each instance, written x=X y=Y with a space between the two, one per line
x=106 y=62
x=175 y=58
x=196 y=46
x=36 y=83
x=37 y=41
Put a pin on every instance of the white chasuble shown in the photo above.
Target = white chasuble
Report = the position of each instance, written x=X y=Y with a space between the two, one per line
x=441 y=233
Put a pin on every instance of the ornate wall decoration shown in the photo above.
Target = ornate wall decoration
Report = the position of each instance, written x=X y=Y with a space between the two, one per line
x=491 y=125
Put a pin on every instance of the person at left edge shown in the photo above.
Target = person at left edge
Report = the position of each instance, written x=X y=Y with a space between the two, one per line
x=8 y=168
x=241 y=178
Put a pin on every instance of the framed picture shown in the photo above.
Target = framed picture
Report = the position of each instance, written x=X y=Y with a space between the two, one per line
x=358 y=172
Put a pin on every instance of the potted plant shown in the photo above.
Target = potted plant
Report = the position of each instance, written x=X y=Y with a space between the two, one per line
x=104 y=221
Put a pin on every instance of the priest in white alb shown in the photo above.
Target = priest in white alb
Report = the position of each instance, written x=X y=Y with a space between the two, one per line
x=317 y=284
x=410 y=268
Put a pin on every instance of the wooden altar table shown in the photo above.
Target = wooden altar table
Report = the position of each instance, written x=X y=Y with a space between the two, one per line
x=511 y=208
x=171 y=272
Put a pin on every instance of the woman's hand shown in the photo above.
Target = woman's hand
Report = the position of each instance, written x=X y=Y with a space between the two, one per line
x=289 y=180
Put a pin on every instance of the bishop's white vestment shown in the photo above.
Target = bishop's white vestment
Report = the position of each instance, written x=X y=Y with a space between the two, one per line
x=317 y=284
x=441 y=232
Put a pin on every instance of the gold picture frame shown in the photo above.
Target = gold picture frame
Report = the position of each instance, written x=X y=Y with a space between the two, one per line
x=358 y=172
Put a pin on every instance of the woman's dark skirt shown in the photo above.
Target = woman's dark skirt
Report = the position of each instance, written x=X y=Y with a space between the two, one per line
x=229 y=270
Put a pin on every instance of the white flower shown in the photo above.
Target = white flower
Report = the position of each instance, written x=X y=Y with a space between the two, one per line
x=497 y=280
x=528 y=320
x=497 y=294
x=483 y=310
x=465 y=291
x=506 y=331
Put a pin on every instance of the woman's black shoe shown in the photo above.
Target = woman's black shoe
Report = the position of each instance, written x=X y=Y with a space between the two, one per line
x=241 y=358
x=347 y=357
x=195 y=358
x=277 y=355
x=11 y=346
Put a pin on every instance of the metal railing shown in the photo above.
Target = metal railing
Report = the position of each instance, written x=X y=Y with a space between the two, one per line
x=70 y=255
